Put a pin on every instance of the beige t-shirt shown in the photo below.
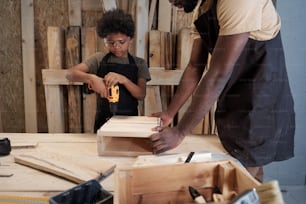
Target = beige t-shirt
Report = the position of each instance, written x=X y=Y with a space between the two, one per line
x=93 y=63
x=259 y=17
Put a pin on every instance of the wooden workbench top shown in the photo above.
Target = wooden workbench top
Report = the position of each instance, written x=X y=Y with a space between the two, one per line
x=26 y=181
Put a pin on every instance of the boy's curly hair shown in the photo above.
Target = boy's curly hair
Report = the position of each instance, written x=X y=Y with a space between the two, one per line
x=115 y=21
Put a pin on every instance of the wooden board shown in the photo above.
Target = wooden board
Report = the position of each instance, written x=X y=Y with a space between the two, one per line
x=28 y=61
x=126 y=136
x=54 y=94
x=77 y=169
x=89 y=45
x=73 y=57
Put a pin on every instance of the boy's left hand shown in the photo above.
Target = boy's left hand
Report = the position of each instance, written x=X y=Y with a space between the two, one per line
x=112 y=78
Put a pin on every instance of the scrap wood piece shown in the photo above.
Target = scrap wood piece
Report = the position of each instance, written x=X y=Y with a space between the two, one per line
x=77 y=169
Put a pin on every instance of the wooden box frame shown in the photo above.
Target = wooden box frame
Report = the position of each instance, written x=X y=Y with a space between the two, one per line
x=126 y=136
x=169 y=183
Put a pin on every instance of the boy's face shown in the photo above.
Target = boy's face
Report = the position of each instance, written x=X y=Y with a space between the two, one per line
x=118 y=44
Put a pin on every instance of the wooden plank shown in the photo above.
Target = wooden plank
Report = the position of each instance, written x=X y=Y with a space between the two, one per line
x=184 y=46
x=75 y=13
x=92 y=5
x=73 y=57
x=153 y=102
x=109 y=4
x=89 y=45
x=164 y=16
x=158 y=74
x=124 y=5
x=77 y=169
x=28 y=60
x=54 y=93
x=154 y=48
x=142 y=28
x=152 y=13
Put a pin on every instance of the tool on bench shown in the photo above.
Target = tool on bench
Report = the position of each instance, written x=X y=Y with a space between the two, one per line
x=88 y=192
x=5 y=146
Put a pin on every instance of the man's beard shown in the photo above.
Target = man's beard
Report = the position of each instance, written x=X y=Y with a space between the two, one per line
x=189 y=5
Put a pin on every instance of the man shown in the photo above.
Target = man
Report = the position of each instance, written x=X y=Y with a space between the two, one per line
x=247 y=77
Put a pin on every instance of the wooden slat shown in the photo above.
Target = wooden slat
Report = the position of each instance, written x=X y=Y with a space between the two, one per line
x=109 y=4
x=28 y=60
x=154 y=48
x=164 y=16
x=152 y=13
x=75 y=13
x=142 y=28
x=158 y=74
x=54 y=93
x=92 y=5
x=73 y=48
x=89 y=45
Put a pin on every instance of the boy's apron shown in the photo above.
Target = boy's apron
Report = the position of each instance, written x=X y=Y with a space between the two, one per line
x=127 y=105
x=255 y=116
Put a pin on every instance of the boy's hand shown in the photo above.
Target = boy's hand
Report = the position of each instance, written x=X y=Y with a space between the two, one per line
x=112 y=78
x=97 y=84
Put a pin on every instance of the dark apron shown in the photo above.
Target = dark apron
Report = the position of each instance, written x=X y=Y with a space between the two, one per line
x=255 y=116
x=127 y=105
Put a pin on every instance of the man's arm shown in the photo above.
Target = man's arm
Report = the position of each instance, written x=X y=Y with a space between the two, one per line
x=190 y=78
x=224 y=57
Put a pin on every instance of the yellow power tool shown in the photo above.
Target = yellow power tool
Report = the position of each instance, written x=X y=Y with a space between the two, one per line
x=113 y=97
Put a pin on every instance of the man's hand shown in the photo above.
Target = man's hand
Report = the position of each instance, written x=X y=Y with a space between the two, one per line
x=165 y=118
x=167 y=139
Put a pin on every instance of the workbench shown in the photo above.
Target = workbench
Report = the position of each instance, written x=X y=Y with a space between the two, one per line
x=26 y=181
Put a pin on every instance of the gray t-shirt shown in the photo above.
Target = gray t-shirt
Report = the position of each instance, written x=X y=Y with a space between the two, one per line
x=93 y=63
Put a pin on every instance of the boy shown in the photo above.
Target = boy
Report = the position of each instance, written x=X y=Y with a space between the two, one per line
x=116 y=67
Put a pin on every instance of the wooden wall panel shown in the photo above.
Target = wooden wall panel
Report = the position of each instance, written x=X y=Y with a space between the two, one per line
x=11 y=74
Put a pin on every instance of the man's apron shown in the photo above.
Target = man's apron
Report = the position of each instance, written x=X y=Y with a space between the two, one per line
x=255 y=116
x=127 y=105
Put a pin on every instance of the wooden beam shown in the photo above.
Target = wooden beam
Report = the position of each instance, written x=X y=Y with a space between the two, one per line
x=54 y=94
x=152 y=12
x=28 y=60
x=158 y=74
x=75 y=12
x=164 y=16
x=109 y=4
x=90 y=44
x=73 y=57
x=142 y=28
x=92 y=5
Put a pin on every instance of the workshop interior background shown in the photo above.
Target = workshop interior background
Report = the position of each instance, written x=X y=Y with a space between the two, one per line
x=55 y=13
